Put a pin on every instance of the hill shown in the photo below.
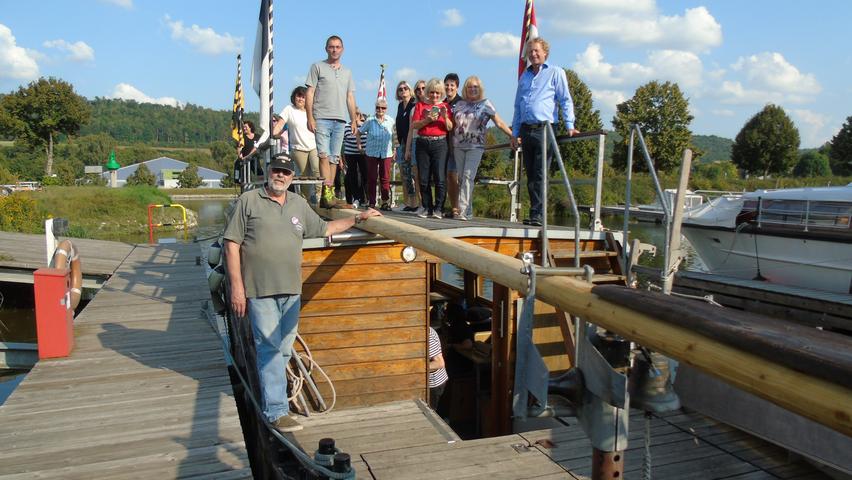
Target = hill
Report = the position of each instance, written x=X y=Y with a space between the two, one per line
x=714 y=148
x=129 y=122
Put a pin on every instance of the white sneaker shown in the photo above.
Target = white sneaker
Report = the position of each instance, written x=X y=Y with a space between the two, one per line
x=355 y=204
x=461 y=217
x=421 y=212
x=437 y=214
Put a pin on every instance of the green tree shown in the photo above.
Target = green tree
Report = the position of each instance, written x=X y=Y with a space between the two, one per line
x=767 y=144
x=41 y=111
x=840 y=154
x=223 y=154
x=66 y=173
x=580 y=156
x=92 y=149
x=716 y=170
x=142 y=176
x=6 y=176
x=227 y=181
x=189 y=178
x=662 y=113
x=812 y=164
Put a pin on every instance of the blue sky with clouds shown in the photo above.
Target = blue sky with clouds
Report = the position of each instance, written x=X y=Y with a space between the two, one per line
x=730 y=58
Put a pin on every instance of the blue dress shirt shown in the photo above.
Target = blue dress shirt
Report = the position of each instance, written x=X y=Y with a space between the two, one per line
x=539 y=97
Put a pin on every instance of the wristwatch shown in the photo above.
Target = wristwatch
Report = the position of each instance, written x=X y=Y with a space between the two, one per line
x=358 y=219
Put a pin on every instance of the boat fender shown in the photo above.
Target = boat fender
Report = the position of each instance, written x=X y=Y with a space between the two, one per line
x=215 y=278
x=66 y=256
x=214 y=254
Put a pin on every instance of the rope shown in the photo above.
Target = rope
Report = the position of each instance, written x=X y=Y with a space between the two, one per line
x=646 y=462
x=298 y=379
x=306 y=460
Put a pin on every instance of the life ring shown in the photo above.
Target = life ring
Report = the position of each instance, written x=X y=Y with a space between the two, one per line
x=64 y=255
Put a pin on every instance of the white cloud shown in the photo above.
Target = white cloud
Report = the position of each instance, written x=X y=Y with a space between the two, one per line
x=684 y=68
x=406 y=73
x=767 y=77
x=451 y=18
x=723 y=112
x=495 y=44
x=15 y=62
x=634 y=23
x=128 y=4
x=592 y=68
x=813 y=127
x=126 y=91
x=606 y=100
x=205 y=40
x=771 y=71
x=78 y=51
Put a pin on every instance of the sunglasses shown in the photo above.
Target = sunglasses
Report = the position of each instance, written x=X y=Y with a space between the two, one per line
x=419 y=89
x=381 y=108
x=282 y=171
x=400 y=89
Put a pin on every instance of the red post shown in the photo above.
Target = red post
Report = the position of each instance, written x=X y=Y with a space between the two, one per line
x=54 y=316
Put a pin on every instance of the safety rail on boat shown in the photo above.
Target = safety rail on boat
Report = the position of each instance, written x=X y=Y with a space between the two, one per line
x=800 y=213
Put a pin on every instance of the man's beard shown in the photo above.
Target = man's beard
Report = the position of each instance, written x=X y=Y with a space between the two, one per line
x=277 y=187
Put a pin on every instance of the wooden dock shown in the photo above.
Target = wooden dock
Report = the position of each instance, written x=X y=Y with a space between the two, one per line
x=406 y=441
x=145 y=392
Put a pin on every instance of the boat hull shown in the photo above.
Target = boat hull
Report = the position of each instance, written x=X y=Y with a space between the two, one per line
x=787 y=260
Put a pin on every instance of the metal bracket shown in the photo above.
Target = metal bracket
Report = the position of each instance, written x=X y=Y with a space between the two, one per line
x=531 y=374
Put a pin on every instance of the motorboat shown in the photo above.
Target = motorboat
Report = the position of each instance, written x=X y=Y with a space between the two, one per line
x=799 y=236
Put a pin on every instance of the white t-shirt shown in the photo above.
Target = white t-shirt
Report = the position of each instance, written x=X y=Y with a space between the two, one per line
x=297 y=125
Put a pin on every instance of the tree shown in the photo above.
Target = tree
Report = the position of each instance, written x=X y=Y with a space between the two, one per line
x=223 y=154
x=142 y=176
x=841 y=150
x=580 y=156
x=812 y=164
x=92 y=149
x=662 y=113
x=189 y=178
x=44 y=109
x=767 y=144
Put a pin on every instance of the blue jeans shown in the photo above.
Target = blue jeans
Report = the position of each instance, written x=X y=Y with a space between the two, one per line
x=531 y=149
x=405 y=168
x=273 y=324
x=329 y=136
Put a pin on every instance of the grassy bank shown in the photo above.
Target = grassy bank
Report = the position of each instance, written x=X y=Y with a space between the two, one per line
x=92 y=212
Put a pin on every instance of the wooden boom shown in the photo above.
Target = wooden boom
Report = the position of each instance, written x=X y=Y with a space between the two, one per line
x=824 y=401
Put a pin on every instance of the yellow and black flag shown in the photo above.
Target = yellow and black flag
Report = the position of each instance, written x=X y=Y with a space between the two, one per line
x=239 y=104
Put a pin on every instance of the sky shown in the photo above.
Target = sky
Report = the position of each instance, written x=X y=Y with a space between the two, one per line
x=729 y=58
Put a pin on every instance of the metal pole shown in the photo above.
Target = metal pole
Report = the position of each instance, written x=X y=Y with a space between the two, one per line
x=545 y=179
x=570 y=193
x=514 y=205
x=667 y=212
x=596 y=224
x=626 y=243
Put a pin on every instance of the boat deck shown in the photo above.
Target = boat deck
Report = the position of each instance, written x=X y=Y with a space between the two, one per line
x=145 y=392
x=406 y=441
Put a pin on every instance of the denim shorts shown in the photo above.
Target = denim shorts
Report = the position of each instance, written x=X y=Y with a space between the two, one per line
x=329 y=137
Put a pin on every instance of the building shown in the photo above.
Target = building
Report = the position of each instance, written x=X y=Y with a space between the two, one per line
x=167 y=170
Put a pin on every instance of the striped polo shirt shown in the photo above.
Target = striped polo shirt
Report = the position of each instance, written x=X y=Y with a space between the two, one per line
x=439 y=376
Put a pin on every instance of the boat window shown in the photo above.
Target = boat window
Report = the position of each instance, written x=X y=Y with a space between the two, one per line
x=783 y=211
x=830 y=214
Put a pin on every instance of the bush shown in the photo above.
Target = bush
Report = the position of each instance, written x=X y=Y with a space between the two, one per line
x=20 y=213
x=142 y=176
x=812 y=164
x=189 y=178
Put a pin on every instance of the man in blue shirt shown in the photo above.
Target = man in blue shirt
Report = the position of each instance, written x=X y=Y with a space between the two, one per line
x=542 y=90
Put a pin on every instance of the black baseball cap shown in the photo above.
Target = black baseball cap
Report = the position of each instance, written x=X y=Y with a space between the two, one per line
x=284 y=162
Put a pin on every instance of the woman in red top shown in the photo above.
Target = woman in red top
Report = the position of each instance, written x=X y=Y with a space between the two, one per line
x=432 y=120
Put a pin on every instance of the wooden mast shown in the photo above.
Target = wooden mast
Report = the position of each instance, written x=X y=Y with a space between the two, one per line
x=823 y=401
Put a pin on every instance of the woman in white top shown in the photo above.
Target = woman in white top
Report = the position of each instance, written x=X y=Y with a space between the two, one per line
x=303 y=144
x=471 y=115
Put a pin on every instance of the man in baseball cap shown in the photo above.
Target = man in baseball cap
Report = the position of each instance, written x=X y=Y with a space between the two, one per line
x=263 y=248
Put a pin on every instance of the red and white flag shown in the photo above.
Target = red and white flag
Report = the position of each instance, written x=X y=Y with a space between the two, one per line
x=383 y=91
x=529 y=30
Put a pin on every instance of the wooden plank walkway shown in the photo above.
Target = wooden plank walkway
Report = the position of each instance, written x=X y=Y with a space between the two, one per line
x=683 y=446
x=145 y=392
x=26 y=251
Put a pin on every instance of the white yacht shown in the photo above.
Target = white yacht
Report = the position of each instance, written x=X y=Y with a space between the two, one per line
x=800 y=237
